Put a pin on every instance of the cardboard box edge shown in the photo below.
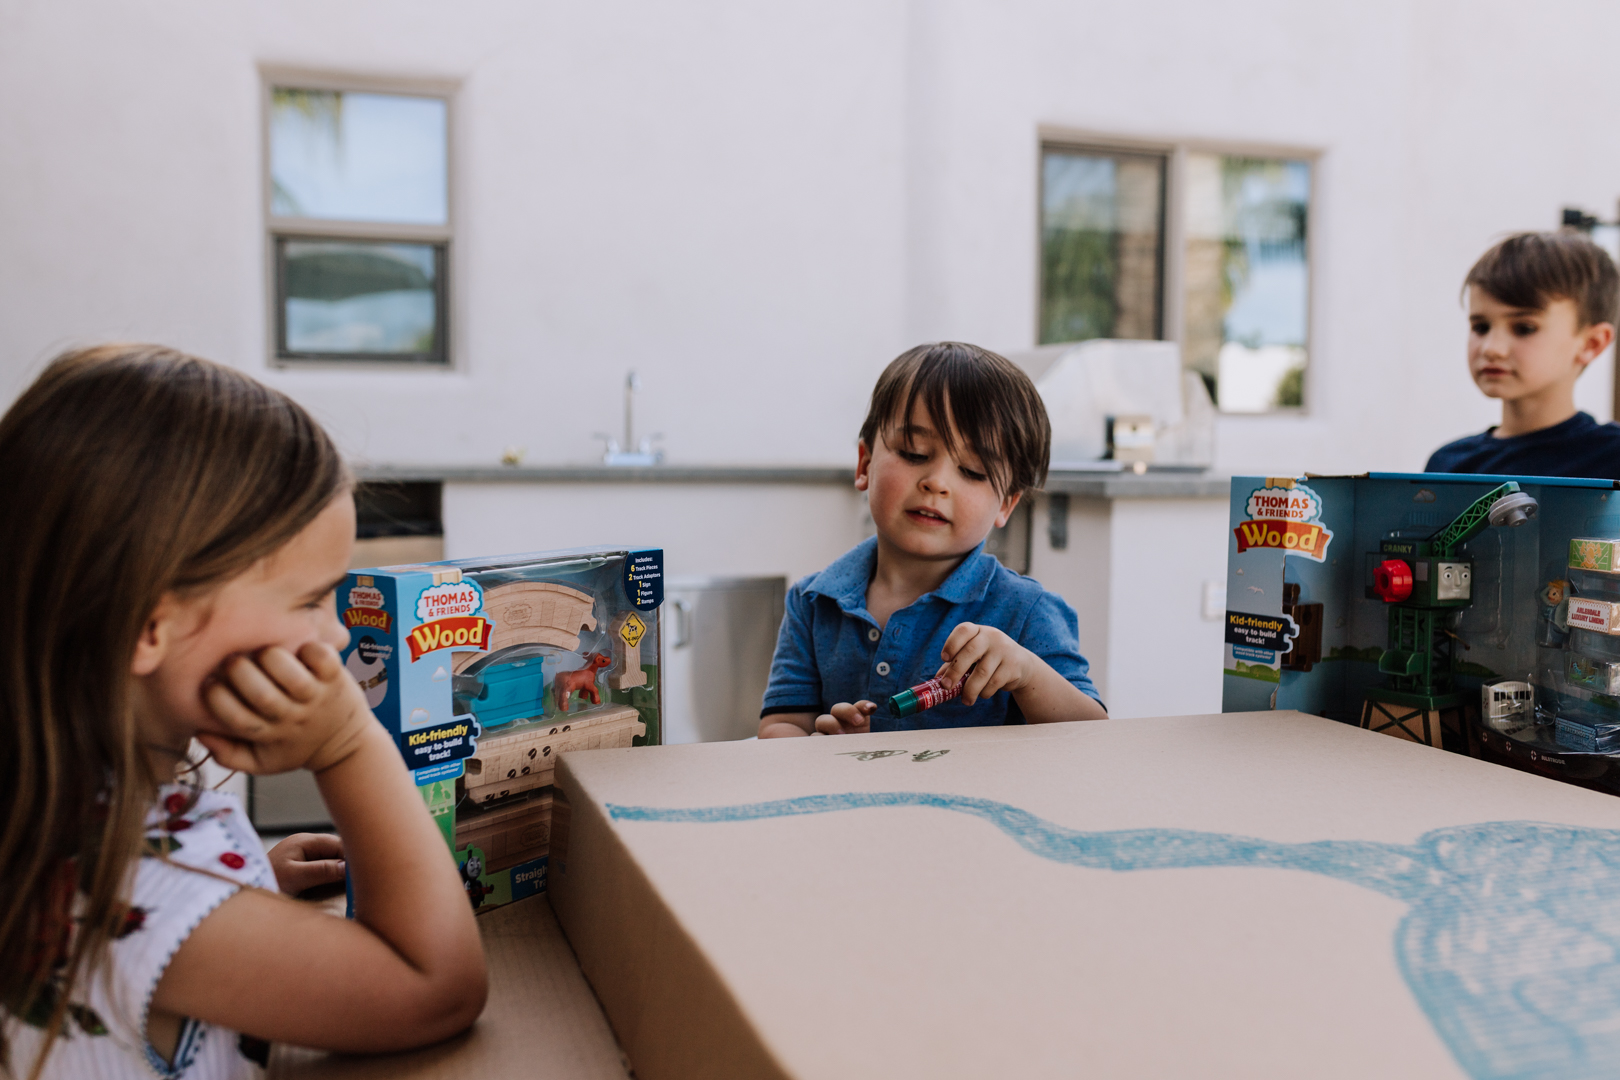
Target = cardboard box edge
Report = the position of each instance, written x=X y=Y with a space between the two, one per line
x=670 y=1010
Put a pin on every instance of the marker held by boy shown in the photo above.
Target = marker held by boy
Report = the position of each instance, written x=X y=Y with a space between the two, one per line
x=923 y=696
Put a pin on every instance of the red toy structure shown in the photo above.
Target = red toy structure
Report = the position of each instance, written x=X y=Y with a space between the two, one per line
x=583 y=680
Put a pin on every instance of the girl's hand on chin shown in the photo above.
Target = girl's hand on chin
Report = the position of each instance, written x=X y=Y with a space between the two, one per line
x=280 y=712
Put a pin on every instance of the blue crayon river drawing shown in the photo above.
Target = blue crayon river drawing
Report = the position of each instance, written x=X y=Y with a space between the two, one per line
x=1511 y=947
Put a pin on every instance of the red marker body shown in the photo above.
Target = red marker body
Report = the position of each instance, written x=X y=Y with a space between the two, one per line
x=924 y=696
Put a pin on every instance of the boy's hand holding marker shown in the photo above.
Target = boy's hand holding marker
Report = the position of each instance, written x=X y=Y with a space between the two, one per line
x=980 y=661
x=985 y=661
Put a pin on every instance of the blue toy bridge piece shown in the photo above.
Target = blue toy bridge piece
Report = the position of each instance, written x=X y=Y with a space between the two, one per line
x=511 y=691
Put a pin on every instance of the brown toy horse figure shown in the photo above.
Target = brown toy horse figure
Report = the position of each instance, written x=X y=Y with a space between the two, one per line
x=565 y=684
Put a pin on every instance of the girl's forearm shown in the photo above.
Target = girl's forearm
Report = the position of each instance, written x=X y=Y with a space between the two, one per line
x=406 y=889
x=407 y=971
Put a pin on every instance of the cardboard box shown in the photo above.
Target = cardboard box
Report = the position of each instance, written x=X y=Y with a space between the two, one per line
x=1390 y=600
x=532 y=973
x=485 y=670
x=1256 y=895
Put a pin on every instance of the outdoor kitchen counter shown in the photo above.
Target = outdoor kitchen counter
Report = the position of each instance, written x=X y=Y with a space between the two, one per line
x=1087 y=484
x=1141 y=558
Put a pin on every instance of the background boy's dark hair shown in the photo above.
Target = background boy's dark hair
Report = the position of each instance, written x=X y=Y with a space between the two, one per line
x=988 y=399
x=1530 y=270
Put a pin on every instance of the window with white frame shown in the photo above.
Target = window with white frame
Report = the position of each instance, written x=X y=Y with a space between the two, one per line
x=1234 y=251
x=359 y=225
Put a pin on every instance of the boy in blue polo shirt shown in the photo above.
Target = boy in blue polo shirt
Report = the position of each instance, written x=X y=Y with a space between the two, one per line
x=1541 y=307
x=954 y=437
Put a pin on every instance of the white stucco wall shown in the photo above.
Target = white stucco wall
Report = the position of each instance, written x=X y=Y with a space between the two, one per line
x=758 y=205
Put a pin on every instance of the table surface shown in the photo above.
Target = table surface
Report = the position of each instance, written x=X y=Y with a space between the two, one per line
x=542 y=1018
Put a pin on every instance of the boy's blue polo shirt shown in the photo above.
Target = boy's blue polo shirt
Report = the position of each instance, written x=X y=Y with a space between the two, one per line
x=831 y=650
x=1579 y=446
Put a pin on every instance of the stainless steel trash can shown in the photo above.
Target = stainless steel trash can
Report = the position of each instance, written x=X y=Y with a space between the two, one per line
x=287 y=803
x=720 y=634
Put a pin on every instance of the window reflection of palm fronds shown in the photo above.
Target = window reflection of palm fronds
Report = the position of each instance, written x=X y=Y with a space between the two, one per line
x=322 y=108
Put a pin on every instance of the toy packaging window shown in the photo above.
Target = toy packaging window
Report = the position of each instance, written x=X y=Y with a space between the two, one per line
x=1478 y=614
x=484 y=670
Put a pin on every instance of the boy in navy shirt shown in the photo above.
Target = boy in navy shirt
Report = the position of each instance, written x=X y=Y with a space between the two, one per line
x=1541 y=306
x=954 y=437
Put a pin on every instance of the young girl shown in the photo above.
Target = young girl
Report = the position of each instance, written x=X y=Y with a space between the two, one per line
x=173 y=536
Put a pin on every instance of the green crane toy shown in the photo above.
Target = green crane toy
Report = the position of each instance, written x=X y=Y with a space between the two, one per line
x=1424 y=582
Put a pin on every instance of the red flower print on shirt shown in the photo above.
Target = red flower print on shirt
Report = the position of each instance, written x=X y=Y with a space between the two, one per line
x=134 y=919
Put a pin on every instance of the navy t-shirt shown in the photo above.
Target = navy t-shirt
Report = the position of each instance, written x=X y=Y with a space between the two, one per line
x=1580 y=446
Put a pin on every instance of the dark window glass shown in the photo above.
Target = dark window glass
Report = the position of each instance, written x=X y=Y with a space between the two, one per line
x=359 y=299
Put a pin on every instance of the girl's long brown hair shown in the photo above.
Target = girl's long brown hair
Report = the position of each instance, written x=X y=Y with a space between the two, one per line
x=126 y=472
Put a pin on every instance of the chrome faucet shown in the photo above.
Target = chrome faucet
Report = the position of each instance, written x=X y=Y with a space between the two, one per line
x=617 y=453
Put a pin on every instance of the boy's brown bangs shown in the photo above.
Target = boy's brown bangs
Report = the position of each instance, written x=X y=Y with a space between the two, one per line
x=962 y=416
x=973 y=395
x=1531 y=270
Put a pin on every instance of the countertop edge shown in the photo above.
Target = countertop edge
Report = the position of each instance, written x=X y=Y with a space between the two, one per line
x=1088 y=485
x=1163 y=486
x=602 y=474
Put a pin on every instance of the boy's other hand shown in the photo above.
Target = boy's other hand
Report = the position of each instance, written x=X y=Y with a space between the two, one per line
x=988 y=659
x=846 y=719
x=282 y=712
x=306 y=860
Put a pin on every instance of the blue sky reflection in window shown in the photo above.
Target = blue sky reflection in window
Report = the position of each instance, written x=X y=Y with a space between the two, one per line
x=1248 y=280
x=342 y=156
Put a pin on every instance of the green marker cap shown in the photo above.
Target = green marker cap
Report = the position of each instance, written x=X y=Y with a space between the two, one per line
x=904 y=703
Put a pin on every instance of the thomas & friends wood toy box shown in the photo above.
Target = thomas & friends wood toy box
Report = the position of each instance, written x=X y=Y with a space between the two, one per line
x=1476 y=613
x=485 y=670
